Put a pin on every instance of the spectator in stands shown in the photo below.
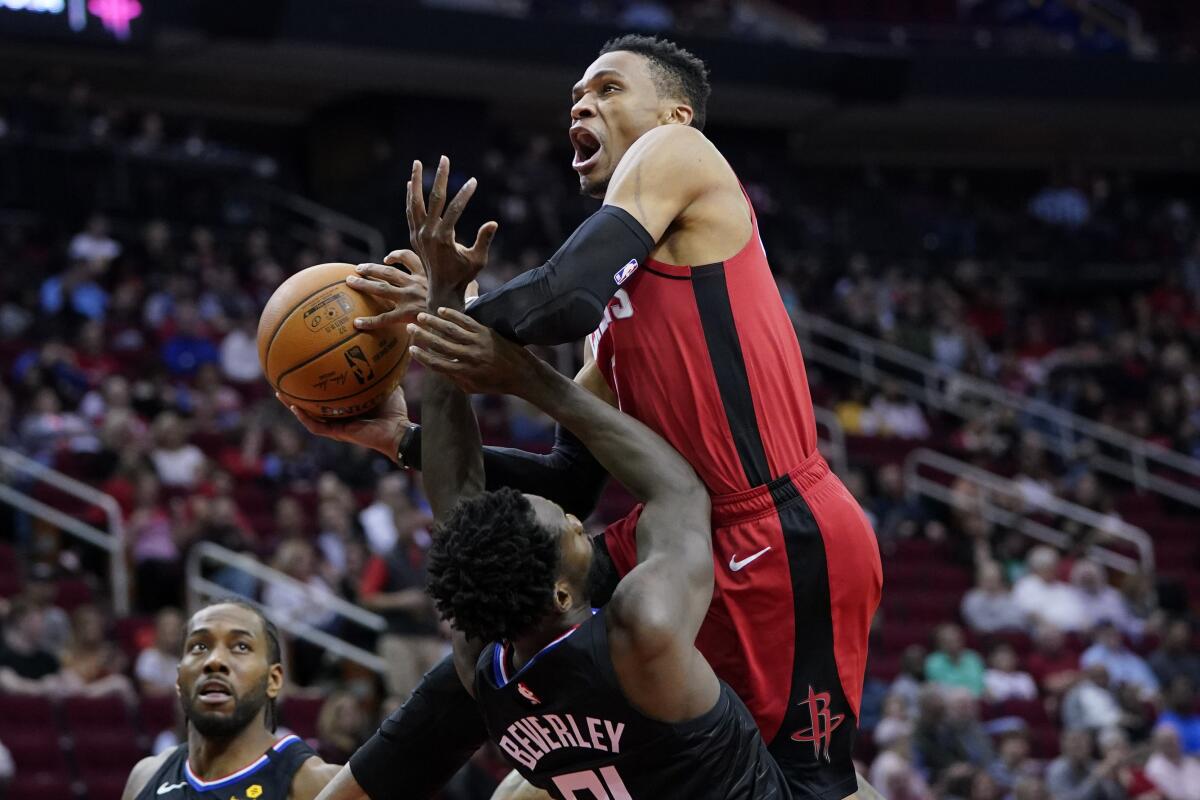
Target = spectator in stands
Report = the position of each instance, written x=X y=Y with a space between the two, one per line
x=911 y=679
x=1076 y=775
x=48 y=429
x=1128 y=768
x=1176 y=655
x=897 y=721
x=990 y=607
x=91 y=664
x=308 y=602
x=75 y=292
x=156 y=546
x=189 y=347
x=1180 y=713
x=1138 y=715
x=94 y=243
x=895 y=514
x=391 y=515
x=1090 y=704
x=40 y=591
x=1004 y=680
x=1031 y=789
x=394 y=586
x=177 y=462
x=23 y=666
x=1101 y=601
x=948 y=731
x=1176 y=775
x=952 y=664
x=156 y=666
x=1012 y=757
x=239 y=351
x=894 y=774
x=291 y=465
x=1043 y=597
x=897 y=415
x=1122 y=664
x=341 y=728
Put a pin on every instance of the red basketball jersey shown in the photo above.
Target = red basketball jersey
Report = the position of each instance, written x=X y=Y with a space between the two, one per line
x=707 y=357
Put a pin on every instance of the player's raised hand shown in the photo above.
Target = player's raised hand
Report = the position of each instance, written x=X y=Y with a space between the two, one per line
x=431 y=231
x=472 y=355
x=381 y=432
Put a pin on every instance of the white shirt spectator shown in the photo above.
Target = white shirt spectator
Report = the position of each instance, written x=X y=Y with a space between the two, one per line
x=378 y=521
x=87 y=246
x=307 y=604
x=899 y=417
x=1055 y=602
x=895 y=777
x=999 y=686
x=239 y=356
x=1177 y=780
x=156 y=668
x=988 y=612
x=178 y=467
x=1091 y=707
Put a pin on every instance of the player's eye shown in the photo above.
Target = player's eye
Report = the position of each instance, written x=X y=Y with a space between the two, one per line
x=609 y=88
x=242 y=647
x=197 y=647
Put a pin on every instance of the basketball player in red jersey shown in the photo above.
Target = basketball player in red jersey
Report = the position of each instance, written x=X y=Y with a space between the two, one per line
x=686 y=332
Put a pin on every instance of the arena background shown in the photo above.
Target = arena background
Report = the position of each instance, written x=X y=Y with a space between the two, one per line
x=983 y=218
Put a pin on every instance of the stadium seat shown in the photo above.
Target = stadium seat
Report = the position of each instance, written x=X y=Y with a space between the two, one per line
x=106 y=786
x=37 y=752
x=70 y=593
x=26 y=713
x=299 y=714
x=101 y=752
x=158 y=713
x=41 y=786
x=109 y=713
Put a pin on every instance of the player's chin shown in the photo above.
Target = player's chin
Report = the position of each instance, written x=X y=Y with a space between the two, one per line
x=593 y=186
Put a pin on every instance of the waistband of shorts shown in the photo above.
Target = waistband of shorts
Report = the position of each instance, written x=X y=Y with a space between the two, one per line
x=729 y=509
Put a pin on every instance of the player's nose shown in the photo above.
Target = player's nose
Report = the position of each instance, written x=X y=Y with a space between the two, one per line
x=215 y=662
x=583 y=108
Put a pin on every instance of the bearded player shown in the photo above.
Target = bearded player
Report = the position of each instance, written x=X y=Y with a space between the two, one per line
x=229 y=678
x=687 y=333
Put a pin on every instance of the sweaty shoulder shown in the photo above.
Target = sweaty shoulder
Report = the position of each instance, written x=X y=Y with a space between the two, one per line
x=313 y=776
x=142 y=772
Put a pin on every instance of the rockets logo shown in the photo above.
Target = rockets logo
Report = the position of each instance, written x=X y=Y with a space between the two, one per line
x=528 y=694
x=823 y=724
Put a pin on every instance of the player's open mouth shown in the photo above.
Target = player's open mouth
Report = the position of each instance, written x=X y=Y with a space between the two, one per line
x=214 y=693
x=587 y=150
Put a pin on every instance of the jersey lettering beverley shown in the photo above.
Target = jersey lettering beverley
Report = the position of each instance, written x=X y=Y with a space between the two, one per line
x=267 y=778
x=563 y=722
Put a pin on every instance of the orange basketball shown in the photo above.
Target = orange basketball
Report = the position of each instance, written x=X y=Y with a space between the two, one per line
x=314 y=356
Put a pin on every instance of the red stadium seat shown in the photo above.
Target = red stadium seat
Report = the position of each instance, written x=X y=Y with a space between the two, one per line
x=26 y=713
x=109 y=713
x=106 y=786
x=70 y=593
x=37 y=752
x=299 y=714
x=101 y=752
x=40 y=786
x=159 y=713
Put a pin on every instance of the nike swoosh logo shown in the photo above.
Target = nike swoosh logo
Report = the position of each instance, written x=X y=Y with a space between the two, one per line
x=170 y=787
x=737 y=566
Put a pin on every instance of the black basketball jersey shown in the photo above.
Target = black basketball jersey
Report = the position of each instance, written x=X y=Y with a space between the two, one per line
x=268 y=778
x=563 y=722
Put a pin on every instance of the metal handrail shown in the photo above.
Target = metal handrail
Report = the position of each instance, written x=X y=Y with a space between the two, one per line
x=873 y=361
x=113 y=540
x=199 y=586
x=320 y=215
x=1018 y=515
x=833 y=444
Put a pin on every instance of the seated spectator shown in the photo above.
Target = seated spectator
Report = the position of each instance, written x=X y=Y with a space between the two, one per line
x=1031 y=788
x=1176 y=656
x=48 y=429
x=291 y=463
x=304 y=601
x=1043 y=597
x=1138 y=716
x=156 y=666
x=1127 y=769
x=897 y=415
x=896 y=514
x=951 y=664
x=156 y=547
x=93 y=243
x=1180 y=713
x=92 y=665
x=911 y=679
x=1052 y=664
x=40 y=591
x=1090 y=705
x=392 y=511
x=239 y=351
x=894 y=774
x=948 y=732
x=1004 y=680
x=1101 y=601
x=177 y=462
x=897 y=721
x=1122 y=664
x=341 y=728
x=1076 y=775
x=990 y=607
x=1012 y=758
x=76 y=291
x=189 y=347
x=962 y=714
x=23 y=665
x=1176 y=775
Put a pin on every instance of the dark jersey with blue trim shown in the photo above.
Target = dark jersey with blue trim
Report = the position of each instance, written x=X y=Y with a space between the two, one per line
x=267 y=778
x=563 y=722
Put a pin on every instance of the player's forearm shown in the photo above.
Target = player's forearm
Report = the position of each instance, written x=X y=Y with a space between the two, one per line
x=632 y=453
x=563 y=300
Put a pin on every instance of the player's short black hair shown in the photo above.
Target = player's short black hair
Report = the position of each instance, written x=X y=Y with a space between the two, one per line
x=492 y=566
x=677 y=72
x=274 y=650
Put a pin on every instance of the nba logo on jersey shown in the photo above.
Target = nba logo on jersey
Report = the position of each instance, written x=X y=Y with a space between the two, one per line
x=528 y=694
x=624 y=272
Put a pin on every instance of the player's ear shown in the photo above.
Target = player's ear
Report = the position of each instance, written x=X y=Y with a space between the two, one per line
x=563 y=599
x=275 y=681
x=677 y=114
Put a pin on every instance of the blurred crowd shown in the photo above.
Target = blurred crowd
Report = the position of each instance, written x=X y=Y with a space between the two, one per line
x=128 y=360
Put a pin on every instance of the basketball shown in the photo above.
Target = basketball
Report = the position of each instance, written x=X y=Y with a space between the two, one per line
x=312 y=354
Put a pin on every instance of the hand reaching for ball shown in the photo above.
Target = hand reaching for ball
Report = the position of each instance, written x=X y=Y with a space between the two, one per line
x=404 y=286
x=381 y=432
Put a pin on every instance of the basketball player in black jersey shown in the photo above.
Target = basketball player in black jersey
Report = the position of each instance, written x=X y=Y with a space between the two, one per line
x=230 y=675
x=615 y=704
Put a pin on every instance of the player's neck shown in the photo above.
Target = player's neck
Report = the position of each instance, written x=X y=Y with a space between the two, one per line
x=214 y=758
x=529 y=645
